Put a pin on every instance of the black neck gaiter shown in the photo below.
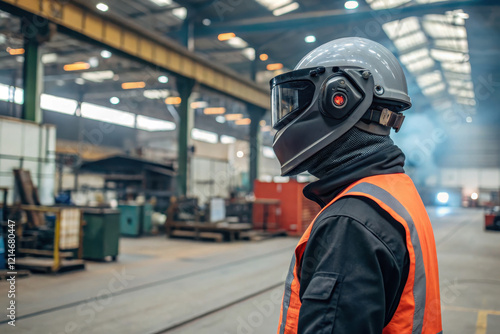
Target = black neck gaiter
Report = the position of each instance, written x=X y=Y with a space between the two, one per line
x=355 y=155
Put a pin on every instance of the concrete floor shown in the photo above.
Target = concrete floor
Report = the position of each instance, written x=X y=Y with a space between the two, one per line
x=231 y=288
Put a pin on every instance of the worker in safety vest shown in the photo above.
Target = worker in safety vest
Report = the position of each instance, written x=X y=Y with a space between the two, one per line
x=367 y=263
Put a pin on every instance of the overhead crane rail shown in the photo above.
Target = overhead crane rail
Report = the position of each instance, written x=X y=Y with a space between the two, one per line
x=134 y=40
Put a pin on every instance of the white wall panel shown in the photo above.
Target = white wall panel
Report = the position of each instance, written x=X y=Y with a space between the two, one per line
x=210 y=178
x=469 y=178
x=450 y=177
x=489 y=178
x=31 y=141
x=11 y=137
x=32 y=167
x=28 y=142
x=7 y=165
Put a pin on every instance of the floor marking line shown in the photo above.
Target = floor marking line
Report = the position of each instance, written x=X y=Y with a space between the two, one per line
x=482 y=322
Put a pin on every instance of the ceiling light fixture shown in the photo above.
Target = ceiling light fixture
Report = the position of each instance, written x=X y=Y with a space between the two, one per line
x=243 y=121
x=15 y=52
x=133 y=85
x=78 y=66
x=214 y=111
x=351 y=4
x=174 y=100
x=163 y=79
x=102 y=7
x=310 y=39
x=226 y=36
x=274 y=67
x=106 y=54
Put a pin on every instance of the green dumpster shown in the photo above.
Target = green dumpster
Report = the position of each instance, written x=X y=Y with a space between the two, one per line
x=101 y=233
x=135 y=220
x=130 y=220
x=146 y=212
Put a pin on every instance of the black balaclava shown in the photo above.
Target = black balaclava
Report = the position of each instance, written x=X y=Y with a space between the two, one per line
x=355 y=155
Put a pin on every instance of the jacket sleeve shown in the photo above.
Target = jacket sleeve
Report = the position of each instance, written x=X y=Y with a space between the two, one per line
x=350 y=279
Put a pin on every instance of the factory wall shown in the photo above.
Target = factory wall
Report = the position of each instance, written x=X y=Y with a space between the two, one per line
x=471 y=180
x=32 y=147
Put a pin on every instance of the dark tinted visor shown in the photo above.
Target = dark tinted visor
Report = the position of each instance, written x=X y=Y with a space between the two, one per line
x=289 y=99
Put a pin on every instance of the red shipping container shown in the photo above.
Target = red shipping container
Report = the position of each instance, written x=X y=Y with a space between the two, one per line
x=492 y=221
x=295 y=212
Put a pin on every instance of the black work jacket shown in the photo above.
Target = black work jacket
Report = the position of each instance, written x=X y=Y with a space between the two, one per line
x=358 y=240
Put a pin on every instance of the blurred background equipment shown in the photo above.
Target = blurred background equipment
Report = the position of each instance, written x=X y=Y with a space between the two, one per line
x=101 y=233
x=135 y=220
x=130 y=177
x=492 y=219
x=290 y=210
x=151 y=118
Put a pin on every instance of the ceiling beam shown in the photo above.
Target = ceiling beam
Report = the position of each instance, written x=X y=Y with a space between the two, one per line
x=334 y=17
x=78 y=17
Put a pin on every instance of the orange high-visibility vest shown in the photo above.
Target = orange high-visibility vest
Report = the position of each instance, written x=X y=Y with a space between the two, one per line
x=419 y=310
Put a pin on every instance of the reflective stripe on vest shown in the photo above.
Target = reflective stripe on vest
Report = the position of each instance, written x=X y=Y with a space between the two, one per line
x=413 y=315
x=419 y=281
x=287 y=295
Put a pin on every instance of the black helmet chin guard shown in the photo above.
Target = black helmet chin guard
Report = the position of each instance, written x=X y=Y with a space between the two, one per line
x=313 y=107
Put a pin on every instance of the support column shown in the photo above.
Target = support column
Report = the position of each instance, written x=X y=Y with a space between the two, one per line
x=32 y=81
x=185 y=88
x=187 y=34
x=253 y=67
x=256 y=115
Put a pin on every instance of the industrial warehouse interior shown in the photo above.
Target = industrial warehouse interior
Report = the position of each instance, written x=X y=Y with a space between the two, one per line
x=140 y=185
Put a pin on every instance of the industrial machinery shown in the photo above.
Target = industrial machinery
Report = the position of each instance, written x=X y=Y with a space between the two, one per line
x=48 y=238
x=55 y=244
x=131 y=177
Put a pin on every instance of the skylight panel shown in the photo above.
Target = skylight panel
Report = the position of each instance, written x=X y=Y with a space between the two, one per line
x=410 y=41
x=154 y=124
x=108 y=115
x=403 y=27
x=429 y=79
x=384 y=4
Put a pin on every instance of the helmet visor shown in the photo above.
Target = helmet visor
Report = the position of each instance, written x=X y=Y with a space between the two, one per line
x=289 y=99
